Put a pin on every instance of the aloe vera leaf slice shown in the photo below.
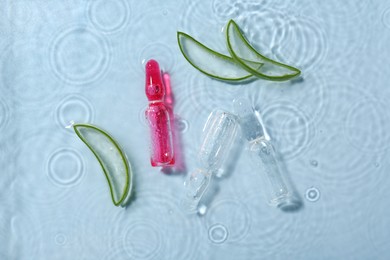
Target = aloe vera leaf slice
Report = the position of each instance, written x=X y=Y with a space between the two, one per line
x=242 y=51
x=210 y=62
x=111 y=158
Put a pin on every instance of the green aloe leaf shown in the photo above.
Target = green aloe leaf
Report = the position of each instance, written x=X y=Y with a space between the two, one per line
x=242 y=51
x=210 y=62
x=112 y=159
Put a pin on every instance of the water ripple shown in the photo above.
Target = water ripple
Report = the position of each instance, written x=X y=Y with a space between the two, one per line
x=371 y=137
x=153 y=42
x=269 y=227
x=312 y=194
x=311 y=95
x=65 y=167
x=72 y=58
x=289 y=127
x=195 y=13
x=18 y=13
x=346 y=10
x=152 y=227
x=354 y=167
x=303 y=44
x=143 y=239
x=271 y=25
x=218 y=233
x=314 y=220
x=24 y=74
x=61 y=235
x=26 y=240
x=109 y=16
x=160 y=52
x=29 y=158
x=73 y=108
x=161 y=215
x=386 y=18
x=225 y=9
x=232 y=219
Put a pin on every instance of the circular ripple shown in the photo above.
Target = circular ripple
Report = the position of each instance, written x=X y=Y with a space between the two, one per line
x=24 y=74
x=312 y=223
x=58 y=230
x=4 y=114
x=269 y=227
x=314 y=163
x=311 y=95
x=271 y=26
x=18 y=13
x=366 y=125
x=225 y=9
x=195 y=105
x=312 y=194
x=289 y=127
x=195 y=14
x=109 y=16
x=218 y=233
x=232 y=215
x=302 y=44
x=32 y=169
x=65 y=167
x=159 y=52
x=143 y=240
x=386 y=18
x=343 y=163
x=181 y=124
x=157 y=210
x=24 y=232
x=153 y=42
x=345 y=11
x=79 y=55
x=60 y=239
x=73 y=109
x=153 y=227
x=142 y=116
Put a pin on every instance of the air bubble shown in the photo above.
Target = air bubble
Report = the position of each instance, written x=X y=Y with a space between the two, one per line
x=218 y=233
x=312 y=194
x=202 y=210
x=60 y=239
x=314 y=163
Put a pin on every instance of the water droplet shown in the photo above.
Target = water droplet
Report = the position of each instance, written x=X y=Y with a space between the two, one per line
x=312 y=194
x=60 y=239
x=165 y=12
x=314 y=163
x=71 y=123
x=218 y=233
x=219 y=173
x=182 y=125
x=202 y=210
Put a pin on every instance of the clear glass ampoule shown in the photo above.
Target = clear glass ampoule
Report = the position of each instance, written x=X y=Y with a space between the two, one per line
x=263 y=153
x=219 y=134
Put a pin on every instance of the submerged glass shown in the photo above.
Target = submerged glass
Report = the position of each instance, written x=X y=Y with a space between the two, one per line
x=263 y=153
x=219 y=134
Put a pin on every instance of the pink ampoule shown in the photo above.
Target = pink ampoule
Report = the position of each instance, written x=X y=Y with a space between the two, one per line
x=158 y=117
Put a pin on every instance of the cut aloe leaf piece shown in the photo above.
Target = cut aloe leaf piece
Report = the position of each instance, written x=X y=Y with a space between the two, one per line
x=210 y=62
x=112 y=159
x=242 y=51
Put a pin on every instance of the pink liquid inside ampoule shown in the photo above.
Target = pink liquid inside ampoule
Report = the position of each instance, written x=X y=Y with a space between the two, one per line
x=158 y=117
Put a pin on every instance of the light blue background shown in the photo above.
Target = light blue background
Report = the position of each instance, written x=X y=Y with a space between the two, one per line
x=83 y=61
